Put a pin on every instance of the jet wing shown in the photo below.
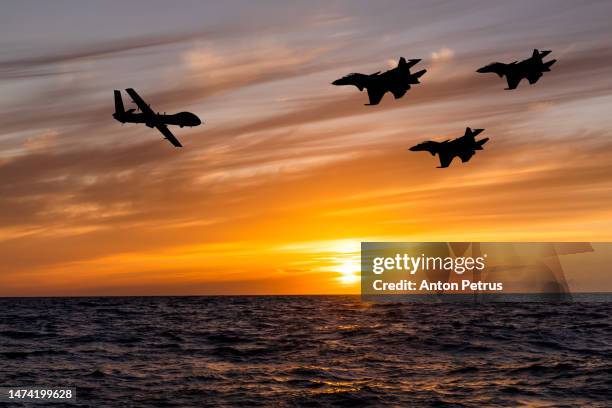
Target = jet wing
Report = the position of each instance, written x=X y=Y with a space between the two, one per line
x=533 y=77
x=513 y=81
x=466 y=156
x=144 y=108
x=375 y=95
x=399 y=92
x=445 y=159
x=168 y=135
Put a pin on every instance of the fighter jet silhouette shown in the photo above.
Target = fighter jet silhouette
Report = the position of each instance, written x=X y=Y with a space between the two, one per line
x=464 y=147
x=531 y=69
x=152 y=119
x=396 y=80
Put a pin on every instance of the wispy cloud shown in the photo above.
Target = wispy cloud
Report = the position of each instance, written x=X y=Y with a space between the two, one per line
x=443 y=54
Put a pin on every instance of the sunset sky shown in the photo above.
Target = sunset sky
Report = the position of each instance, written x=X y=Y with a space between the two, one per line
x=288 y=174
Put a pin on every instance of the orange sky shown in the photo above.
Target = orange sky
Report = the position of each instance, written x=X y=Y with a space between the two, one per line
x=288 y=174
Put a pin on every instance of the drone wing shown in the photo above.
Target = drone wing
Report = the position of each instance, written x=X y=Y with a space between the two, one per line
x=168 y=135
x=142 y=105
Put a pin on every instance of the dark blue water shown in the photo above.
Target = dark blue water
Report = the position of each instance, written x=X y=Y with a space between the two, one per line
x=308 y=351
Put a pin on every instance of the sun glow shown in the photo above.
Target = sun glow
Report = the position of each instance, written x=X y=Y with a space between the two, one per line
x=349 y=270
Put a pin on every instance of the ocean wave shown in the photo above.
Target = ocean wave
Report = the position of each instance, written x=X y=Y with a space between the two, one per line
x=309 y=351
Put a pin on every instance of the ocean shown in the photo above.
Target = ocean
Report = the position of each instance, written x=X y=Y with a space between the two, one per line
x=308 y=351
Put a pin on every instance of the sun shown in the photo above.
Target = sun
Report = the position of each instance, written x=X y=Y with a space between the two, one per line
x=349 y=270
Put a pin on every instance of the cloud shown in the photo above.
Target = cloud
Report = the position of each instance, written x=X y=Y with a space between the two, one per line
x=41 y=65
x=41 y=142
x=443 y=54
x=211 y=71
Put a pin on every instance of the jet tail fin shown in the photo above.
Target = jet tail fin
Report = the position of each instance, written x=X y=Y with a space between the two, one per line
x=549 y=64
x=407 y=64
x=539 y=55
x=414 y=78
x=479 y=143
x=544 y=53
x=472 y=132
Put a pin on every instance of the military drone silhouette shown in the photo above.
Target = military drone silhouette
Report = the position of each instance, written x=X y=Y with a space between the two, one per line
x=152 y=119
